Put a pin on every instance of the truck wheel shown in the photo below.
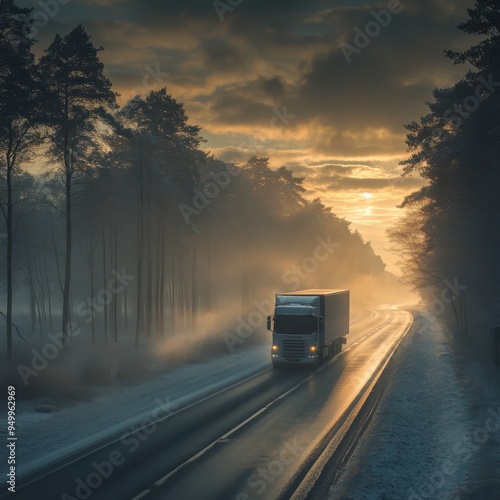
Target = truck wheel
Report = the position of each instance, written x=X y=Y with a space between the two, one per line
x=332 y=350
x=338 y=346
x=320 y=358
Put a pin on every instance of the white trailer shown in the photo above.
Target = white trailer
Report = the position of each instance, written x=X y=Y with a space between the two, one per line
x=308 y=325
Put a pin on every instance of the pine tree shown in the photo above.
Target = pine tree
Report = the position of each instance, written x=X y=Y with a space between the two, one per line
x=456 y=148
x=78 y=98
x=164 y=148
x=20 y=97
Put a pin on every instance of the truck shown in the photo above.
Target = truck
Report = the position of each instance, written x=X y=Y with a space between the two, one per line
x=308 y=325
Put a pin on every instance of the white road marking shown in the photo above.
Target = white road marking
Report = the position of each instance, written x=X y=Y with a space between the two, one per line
x=225 y=437
x=141 y=495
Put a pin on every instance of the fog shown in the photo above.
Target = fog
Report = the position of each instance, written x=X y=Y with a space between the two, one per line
x=206 y=283
x=127 y=249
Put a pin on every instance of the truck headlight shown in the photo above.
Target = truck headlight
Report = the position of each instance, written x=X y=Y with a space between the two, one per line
x=312 y=348
x=274 y=348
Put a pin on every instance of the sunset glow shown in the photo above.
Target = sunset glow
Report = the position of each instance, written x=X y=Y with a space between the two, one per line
x=232 y=231
x=271 y=80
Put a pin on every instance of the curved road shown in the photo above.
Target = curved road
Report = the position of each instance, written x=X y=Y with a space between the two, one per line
x=256 y=439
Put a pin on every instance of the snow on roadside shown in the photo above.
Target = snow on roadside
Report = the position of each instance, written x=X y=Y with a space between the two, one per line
x=482 y=382
x=424 y=438
x=45 y=437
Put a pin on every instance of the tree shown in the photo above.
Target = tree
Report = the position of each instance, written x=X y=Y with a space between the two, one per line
x=78 y=98
x=455 y=147
x=164 y=151
x=19 y=121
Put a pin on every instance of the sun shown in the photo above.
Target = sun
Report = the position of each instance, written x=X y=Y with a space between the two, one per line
x=367 y=196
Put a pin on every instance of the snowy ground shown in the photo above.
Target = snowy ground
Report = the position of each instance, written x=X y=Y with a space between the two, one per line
x=433 y=435
x=44 y=436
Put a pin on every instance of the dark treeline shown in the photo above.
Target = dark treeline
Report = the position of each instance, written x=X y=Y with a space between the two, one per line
x=114 y=217
x=450 y=239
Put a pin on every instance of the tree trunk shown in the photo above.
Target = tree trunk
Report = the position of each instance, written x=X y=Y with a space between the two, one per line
x=91 y=263
x=47 y=284
x=209 y=301
x=32 y=309
x=161 y=282
x=104 y=285
x=67 y=270
x=173 y=291
x=10 y=236
x=35 y=310
x=149 y=261
x=114 y=303
x=139 y=255
x=41 y=287
x=194 y=294
x=125 y=310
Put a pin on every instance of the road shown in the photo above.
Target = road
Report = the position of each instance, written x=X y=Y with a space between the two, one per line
x=265 y=437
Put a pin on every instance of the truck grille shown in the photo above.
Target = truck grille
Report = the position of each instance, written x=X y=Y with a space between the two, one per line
x=293 y=350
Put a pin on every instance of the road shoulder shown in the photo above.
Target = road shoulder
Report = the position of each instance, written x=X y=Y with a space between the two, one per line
x=423 y=440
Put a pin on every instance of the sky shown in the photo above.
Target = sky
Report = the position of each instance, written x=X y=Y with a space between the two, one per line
x=322 y=87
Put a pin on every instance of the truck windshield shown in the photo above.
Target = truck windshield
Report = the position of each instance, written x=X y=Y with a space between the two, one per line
x=294 y=324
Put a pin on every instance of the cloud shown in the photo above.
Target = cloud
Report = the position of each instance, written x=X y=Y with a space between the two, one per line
x=220 y=56
x=356 y=177
x=267 y=54
x=232 y=75
x=370 y=184
x=347 y=132
x=386 y=84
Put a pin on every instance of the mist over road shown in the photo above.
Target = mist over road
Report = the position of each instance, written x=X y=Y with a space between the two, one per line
x=255 y=439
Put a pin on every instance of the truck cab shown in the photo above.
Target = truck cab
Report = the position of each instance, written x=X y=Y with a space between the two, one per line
x=308 y=326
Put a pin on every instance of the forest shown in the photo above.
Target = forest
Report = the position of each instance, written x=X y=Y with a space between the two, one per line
x=119 y=230
x=450 y=233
